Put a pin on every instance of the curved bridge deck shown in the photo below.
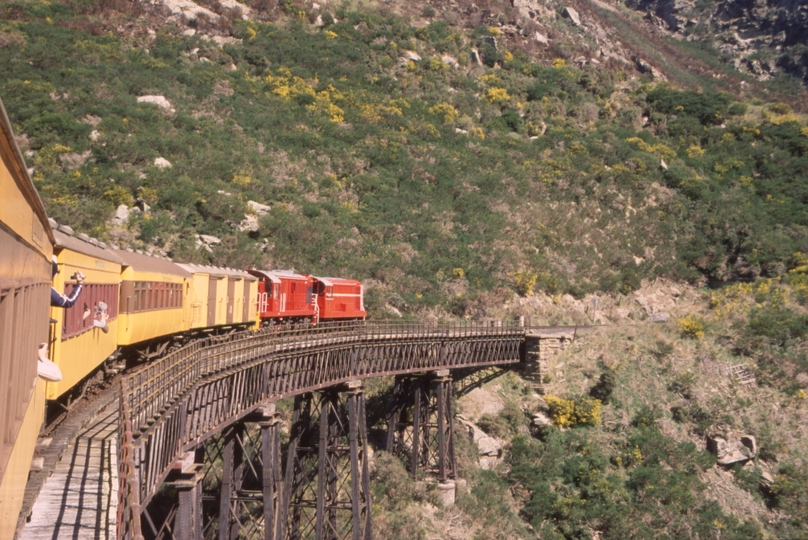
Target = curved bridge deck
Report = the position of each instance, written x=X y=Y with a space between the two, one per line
x=171 y=406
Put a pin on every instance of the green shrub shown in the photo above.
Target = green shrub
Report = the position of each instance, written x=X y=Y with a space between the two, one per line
x=602 y=391
x=777 y=323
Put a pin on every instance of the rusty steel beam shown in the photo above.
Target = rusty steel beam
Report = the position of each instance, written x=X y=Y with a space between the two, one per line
x=270 y=480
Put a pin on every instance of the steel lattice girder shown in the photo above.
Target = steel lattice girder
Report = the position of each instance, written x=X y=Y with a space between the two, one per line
x=244 y=378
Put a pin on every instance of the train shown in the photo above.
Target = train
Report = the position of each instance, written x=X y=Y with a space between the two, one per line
x=133 y=307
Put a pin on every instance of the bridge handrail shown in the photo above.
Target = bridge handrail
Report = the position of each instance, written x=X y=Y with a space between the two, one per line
x=152 y=397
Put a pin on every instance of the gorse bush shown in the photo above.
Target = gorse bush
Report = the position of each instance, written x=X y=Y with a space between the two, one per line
x=691 y=326
x=569 y=413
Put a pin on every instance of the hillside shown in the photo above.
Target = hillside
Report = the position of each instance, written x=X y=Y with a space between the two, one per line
x=441 y=164
x=636 y=463
x=580 y=162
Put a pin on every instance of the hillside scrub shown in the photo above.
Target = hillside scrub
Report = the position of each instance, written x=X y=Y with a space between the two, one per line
x=644 y=470
x=401 y=173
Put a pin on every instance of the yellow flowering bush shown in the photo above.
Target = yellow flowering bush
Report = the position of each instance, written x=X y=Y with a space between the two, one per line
x=691 y=326
x=446 y=110
x=569 y=413
x=562 y=411
x=659 y=149
x=241 y=178
x=497 y=95
x=694 y=151
x=436 y=64
x=524 y=282
x=477 y=132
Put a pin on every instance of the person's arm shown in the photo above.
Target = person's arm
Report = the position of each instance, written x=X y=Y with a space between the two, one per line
x=60 y=300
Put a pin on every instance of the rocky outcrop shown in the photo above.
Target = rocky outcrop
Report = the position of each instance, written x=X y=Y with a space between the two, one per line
x=258 y=209
x=732 y=448
x=759 y=37
x=249 y=224
x=489 y=449
x=206 y=241
x=121 y=216
x=160 y=101
x=671 y=12
x=572 y=15
x=162 y=163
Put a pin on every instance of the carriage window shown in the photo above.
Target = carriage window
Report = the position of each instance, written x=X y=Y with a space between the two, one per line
x=97 y=302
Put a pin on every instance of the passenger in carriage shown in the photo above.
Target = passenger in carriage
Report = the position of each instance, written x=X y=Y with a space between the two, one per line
x=60 y=300
x=45 y=368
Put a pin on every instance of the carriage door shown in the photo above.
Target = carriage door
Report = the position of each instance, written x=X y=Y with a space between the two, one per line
x=212 y=301
x=231 y=299
x=246 y=316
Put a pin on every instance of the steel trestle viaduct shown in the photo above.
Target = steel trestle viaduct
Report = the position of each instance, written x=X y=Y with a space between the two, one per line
x=199 y=450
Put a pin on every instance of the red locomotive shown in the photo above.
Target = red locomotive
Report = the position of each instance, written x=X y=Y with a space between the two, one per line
x=339 y=299
x=284 y=296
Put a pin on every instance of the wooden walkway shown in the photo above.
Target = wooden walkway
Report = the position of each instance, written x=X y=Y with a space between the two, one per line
x=80 y=498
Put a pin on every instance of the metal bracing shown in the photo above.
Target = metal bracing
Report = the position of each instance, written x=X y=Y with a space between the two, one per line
x=420 y=426
x=327 y=489
x=271 y=476
x=225 y=492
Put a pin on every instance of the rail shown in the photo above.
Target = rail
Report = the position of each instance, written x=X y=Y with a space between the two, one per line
x=171 y=405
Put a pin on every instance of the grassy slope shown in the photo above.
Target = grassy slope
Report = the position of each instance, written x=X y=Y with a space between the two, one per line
x=362 y=157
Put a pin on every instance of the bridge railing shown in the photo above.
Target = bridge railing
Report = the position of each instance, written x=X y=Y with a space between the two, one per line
x=173 y=401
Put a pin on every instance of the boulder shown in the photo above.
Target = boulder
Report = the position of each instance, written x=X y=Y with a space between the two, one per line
x=142 y=206
x=208 y=239
x=572 y=15
x=73 y=161
x=449 y=60
x=533 y=9
x=541 y=420
x=121 y=216
x=661 y=317
x=160 y=101
x=162 y=163
x=221 y=41
x=258 y=209
x=541 y=38
x=489 y=449
x=732 y=448
x=411 y=55
x=249 y=223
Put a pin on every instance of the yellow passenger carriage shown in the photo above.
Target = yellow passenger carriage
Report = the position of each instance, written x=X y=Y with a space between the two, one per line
x=86 y=334
x=152 y=302
x=26 y=247
x=221 y=297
